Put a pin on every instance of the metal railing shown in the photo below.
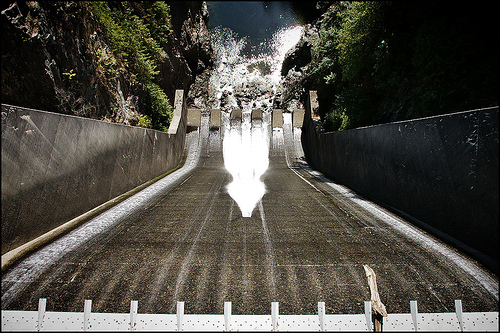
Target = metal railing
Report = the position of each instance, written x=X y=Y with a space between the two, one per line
x=42 y=320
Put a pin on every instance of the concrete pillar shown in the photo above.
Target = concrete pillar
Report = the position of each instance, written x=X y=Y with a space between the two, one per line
x=256 y=114
x=236 y=114
x=298 y=117
x=313 y=104
x=178 y=122
x=277 y=118
x=215 y=118
x=194 y=117
x=257 y=117
x=236 y=117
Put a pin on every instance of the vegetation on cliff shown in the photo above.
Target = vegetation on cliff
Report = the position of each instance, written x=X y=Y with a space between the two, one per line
x=137 y=33
x=377 y=62
x=117 y=61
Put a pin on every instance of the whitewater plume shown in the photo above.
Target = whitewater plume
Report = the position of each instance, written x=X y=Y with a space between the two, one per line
x=245 y=147
x=233 y=68
x=246 y=157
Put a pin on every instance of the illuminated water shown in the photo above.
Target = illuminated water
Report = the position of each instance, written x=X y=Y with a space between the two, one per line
x=250 y=41
x=246 y=157
x=234 y=70
x=245 y=147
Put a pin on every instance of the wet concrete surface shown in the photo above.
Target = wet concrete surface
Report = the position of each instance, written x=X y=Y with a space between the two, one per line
x=304 y=243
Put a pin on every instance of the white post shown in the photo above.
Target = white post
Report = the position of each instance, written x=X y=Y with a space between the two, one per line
x=133 y=314
x=458 y=311
x=42 y=304
x=86 y=314
x=274 y=315
x=180 y=315
x=414 y=313
x=227 y=316
x=368 y=315
x=321 y=314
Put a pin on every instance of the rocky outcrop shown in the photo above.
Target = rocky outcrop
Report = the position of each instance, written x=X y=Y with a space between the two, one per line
x=296 y=72
x=190 y=24
x=196 y=45
x=55 y=58
x=252 y=90
x=299 y=56
x=46 y=60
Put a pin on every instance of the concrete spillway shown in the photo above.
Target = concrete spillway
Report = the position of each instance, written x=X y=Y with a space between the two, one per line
x=306 y=240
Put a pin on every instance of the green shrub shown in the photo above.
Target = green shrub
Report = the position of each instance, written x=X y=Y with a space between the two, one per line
x=382 y=61
x=358 y=37
x=137 y=33
x=161 y=110
x=336 y=121
x=144 y=121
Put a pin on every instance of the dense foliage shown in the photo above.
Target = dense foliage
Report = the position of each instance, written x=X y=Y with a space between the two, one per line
x=137 y=33
x=388 y=61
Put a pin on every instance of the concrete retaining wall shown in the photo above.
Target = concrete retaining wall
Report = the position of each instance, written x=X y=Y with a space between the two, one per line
x=442 y=171
x=56 y=167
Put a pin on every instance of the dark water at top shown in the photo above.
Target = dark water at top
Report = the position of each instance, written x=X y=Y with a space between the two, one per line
x=259 y=20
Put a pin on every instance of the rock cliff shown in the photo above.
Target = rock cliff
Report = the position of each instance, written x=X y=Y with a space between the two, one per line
x=55 y=58
x=297 y=72
x=403 y=61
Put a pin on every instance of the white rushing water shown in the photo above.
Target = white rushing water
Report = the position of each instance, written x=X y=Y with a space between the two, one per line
x=246 y=157
x=246 y=148
x=235 y=71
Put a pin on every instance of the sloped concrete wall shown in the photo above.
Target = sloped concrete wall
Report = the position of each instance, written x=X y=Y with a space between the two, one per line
x=442 y=171
x=56 y=167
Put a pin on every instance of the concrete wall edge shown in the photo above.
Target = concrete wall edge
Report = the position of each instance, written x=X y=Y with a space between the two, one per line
x=174 y=153
x=324 y=151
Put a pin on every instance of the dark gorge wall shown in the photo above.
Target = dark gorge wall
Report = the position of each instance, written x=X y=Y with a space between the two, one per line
x=442 y=171
x=55 y=57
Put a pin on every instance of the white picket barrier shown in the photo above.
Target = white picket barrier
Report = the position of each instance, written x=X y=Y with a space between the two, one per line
x=43 y=320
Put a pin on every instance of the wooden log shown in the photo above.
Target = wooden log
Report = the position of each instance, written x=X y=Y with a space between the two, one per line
x=378 y=308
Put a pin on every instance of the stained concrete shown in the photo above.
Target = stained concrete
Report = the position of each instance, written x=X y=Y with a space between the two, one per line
x=441 y=171
x=215 y=118
x=277 y=118
x=236 y=114
x=194 y=117
x=56 y=167
x=256 y=114
x=298 y=117
x=236 y=117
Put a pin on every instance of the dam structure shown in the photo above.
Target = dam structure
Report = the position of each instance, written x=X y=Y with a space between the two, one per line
x=244 y=235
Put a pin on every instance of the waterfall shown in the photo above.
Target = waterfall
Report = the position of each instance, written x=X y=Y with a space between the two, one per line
x=247 y=81
x=246 y=157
